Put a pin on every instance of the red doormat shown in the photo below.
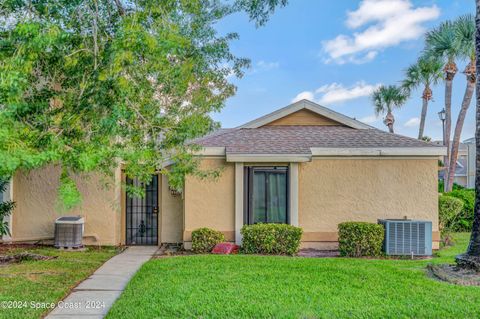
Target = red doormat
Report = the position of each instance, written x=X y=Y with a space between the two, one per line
x=225 y=249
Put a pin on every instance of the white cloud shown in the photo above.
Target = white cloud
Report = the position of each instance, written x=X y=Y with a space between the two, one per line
x=414 y=121
x=336 y=93
x=369 y=119
x=264 y=66
x=386 y=23
x=305 y=95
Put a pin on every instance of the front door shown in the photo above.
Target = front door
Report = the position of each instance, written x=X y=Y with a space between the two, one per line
x=142 y=214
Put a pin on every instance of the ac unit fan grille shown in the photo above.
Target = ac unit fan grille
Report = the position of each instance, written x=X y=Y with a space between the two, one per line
x=406 y=238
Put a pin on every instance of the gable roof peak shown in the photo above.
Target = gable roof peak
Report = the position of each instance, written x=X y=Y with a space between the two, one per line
x=308 y=105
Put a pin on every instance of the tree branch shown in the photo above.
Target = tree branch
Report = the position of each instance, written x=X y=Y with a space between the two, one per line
x=121 y=10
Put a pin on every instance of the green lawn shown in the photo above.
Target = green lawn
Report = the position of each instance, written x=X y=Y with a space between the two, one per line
x=46 y=281
x=283 y=287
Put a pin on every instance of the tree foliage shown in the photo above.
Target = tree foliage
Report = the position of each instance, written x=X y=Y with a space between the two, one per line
x=92 y=84
x=387 y=98
x=427 y=71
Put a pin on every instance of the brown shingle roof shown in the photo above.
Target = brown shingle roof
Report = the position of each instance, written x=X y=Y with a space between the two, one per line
x=299 y=139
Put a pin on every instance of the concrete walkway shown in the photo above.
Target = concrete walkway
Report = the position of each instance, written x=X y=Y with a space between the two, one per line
x=93 y=297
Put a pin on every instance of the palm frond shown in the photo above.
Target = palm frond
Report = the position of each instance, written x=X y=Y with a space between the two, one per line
x=3 y=183
x=378 y=105
x=385 y=98
x=465 y=36
x=440 y=42
x=412 y=78
x=426 y=71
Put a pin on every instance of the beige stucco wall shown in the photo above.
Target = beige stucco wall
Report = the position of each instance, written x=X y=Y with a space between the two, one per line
x=35 y=195
x=332 y=191
x=171 y=214
x=211 y=203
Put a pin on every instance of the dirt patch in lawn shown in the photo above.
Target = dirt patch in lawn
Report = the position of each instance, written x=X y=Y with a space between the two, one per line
x=454 y=274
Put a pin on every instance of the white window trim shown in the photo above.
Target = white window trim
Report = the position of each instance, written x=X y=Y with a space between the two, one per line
x=238 y=202
x=293 y=187
x=239 y=197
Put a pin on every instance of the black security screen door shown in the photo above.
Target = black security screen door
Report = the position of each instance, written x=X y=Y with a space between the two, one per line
x=142 y=214
x=267 y=195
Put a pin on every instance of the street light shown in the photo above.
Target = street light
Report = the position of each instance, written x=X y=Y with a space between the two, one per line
x=441 y=116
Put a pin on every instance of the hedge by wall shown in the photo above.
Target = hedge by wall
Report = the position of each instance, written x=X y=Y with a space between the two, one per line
x=358 y=239
x=204 y=239
x=277 y=239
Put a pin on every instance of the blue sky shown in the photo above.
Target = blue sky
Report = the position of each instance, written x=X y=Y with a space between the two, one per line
x=336 y=53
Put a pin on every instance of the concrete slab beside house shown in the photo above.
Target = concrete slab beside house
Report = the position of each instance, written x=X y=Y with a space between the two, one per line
x=304 y=164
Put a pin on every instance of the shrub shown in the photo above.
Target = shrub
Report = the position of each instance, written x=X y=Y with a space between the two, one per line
x=449 y=213
x=204 y=239
x=466 y=219
x=454 y=187
x=277 y=239
x=358 y=239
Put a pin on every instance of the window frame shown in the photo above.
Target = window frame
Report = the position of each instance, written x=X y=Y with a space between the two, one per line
x=248 y=189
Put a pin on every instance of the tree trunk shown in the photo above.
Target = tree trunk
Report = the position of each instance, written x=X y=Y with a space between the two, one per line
x=422 y=118
x=467 y=98
x=474 y=246
x=448 y=127
x=389 y=120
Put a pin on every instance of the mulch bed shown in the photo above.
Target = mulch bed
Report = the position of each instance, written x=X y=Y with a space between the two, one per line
x=9 y=248
x=315 y=253
x=454 y=274
x=16 y=258
x=173 y=254
x=9 y=254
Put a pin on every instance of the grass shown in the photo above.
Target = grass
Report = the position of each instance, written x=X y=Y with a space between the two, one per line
x=46 y=281
x=242 y=286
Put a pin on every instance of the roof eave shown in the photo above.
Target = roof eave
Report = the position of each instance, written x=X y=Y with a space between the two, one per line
x=379 y=151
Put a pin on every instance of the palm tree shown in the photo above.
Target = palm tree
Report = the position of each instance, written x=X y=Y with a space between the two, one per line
x=465 y=41
x=472 y=257
x=387 y=98
x=440 y=42
x=426 y=72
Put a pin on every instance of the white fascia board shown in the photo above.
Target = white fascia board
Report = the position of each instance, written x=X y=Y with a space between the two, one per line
x=206 y=151
x=414 y=151
x=311 y=106
x=273 y=158
x=385 y=151
x=284 y=111
x=338 y=117
x=211 y=151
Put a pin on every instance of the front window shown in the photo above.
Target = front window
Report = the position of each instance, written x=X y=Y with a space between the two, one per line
x=266 y=190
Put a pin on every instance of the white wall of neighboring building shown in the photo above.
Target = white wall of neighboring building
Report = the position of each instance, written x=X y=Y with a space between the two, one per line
x=470 y=164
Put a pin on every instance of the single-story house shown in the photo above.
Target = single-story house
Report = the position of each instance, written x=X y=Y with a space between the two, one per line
x=303 y=164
